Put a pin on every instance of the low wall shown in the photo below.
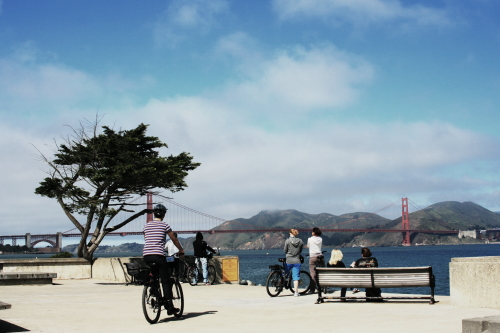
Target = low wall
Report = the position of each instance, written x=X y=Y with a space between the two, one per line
x=111 y=269
x=474 y=282
x=66 y=268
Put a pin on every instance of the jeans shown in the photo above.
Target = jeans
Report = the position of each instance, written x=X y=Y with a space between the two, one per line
x=312 y=265
x=203 y=268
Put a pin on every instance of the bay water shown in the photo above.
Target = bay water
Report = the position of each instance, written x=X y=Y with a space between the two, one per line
x=254 y=264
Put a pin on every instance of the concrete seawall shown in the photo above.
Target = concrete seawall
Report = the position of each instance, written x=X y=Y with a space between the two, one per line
x=474 y=282
x=111 y=269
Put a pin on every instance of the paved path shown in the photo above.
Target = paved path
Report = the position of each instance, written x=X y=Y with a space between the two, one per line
x=101 y=306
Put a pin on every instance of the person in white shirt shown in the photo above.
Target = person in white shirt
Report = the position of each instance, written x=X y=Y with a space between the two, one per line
x=172 y=255
x=314 y=244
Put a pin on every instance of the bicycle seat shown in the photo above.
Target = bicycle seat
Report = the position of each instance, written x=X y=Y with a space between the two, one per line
x=282 y=259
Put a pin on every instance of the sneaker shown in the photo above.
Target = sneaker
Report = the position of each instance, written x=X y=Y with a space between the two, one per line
x=172 y=310
x=296 y=294
x=208 y=284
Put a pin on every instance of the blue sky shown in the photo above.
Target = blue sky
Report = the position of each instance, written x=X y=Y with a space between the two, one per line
x=318 y=105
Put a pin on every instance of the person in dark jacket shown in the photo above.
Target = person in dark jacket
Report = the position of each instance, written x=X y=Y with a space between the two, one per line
x=367 y=261
x=201 y=249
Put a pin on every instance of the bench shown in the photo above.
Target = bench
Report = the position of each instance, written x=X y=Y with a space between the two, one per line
x=26 y=278
x=392 y=277
x=4 y=306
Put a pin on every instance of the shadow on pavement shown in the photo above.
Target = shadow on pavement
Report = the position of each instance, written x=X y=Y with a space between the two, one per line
x=5 y=326
x=187 y=316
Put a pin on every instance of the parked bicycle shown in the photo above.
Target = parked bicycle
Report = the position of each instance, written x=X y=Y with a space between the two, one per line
x=321 y=263
x=277 y=280
x=152 y=299
x=195 y=272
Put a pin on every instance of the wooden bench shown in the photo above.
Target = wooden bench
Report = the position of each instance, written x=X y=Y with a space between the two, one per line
x=394 y=277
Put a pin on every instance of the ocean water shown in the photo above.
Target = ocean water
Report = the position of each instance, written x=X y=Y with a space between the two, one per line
x=254 y=264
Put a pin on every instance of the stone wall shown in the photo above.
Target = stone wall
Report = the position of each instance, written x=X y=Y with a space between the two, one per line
x=474 y=282
x=66 y=268
x=111 y=269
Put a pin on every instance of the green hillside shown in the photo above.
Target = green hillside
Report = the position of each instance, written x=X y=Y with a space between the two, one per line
x=449 y=215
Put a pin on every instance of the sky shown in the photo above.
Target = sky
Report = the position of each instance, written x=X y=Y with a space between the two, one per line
x=323 y=106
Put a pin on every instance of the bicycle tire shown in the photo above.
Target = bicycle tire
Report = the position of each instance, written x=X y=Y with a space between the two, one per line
x=211 y=274
x=178 y=298
x=304 y=283
x=274 y=283
x=183 y=271
x=151 y=304
x=193 y=275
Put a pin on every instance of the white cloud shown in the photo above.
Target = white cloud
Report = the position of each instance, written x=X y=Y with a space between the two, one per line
x=185 y=17
x=303 y=79
x=361 y=11
x=319 y=166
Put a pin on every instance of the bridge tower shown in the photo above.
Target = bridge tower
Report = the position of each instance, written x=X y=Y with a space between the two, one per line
x=149 y=216
x=405 y=222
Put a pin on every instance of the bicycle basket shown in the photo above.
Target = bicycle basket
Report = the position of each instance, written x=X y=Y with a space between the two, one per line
x=275 y=267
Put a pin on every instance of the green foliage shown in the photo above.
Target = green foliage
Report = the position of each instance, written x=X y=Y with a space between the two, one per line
x=95 y=174
x=15 y=249
x=63 y=255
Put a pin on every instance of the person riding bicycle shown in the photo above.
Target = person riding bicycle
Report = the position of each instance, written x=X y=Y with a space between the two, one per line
x=293 y=248
x=314 y=244
x=155 y=234
x=200 y=252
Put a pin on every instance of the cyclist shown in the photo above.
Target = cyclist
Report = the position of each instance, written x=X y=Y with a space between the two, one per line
x=155 y=234
x=200 y=252
x=314 y=244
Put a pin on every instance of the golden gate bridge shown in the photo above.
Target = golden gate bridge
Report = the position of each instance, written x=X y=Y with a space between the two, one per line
x=185 y=220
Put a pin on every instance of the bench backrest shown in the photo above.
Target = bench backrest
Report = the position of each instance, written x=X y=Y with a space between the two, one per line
x=375 y=277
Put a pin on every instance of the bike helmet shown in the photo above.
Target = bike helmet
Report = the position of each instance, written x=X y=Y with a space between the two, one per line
x=159 y=211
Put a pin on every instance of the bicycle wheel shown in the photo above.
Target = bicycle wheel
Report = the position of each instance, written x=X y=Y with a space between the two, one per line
x=151 y=305
x=183 y=271
x=304 y=283
x=274 y=283
x=193 y=276
x=178 y=298
x=211 y=274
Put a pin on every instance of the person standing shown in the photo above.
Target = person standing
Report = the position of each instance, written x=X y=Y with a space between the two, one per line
x=155 y=234
x=172 y=254
x=314 y=244
x=293 y=249
x=200 y=252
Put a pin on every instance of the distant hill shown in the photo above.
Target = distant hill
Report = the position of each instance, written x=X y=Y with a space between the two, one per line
x=449 y=215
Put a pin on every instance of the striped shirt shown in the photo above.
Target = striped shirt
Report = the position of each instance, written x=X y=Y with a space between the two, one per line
x=155 y=234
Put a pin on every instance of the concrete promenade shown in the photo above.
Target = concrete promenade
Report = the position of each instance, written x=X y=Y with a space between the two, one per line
x=91 y=305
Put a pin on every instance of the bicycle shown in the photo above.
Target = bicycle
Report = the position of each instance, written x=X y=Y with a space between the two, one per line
x=321 y=263
x=277 y=280
x=195 y=270
x=152 y=299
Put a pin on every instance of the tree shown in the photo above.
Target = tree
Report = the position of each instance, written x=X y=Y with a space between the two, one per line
x=94 y=173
